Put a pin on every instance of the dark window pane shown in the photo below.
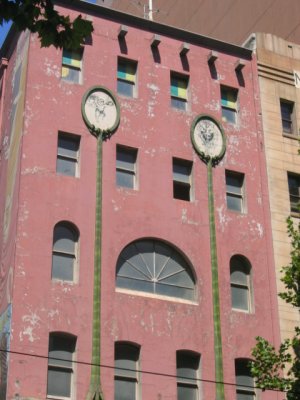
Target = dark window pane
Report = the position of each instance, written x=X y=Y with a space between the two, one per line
x=125 y=389
x=239 y=297
x=181 y=191
x=234 y=203
x=64 y=239
x=63 y=267
x=125 y=88
x=59 y=382
x=186 y=392
x=180 y=104
x=287 y=116
x=66 y=166
x=125 y=179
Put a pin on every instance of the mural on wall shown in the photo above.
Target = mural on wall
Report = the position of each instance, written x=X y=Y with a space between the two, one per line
x=5 y=319
x=11 y=143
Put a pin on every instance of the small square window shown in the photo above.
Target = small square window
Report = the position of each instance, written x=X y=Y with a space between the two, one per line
x=71 y=66
x=287 y=109
x=67 y=154
x=126 y=167
x=126 y=77
x=294 y=191
x=179 y=91
x=229 y=104
x=235 y=191
x=182 y=177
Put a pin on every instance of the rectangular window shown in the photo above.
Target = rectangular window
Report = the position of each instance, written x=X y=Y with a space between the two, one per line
x=187 y=364
x=126 y=77
x=179 y=91
x=235 y=191
x=244 y=381
x=287 y=116
x=60 y=365
x=182 y=179
x=67 y=154
x=294 y=191
x=71 y=66
x=229 y=104
x=126 y=167
x=126 y=371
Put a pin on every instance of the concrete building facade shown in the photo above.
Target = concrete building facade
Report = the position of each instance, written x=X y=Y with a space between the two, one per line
x=278 y=69
x=141 y=266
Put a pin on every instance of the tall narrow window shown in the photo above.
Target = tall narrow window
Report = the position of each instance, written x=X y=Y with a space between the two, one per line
x=235 y=191
x=240 y=282
x=71 y=66
x=126 y=371
x=179 y=91
x=126 y=77
x=294 y=191
x=187 y=364
x=182 y=180
x=67 y=154
x=60 y=365
x=64 y=256
x=229 y=104
x=244 y=381
x=287 y=116
x=126 y=167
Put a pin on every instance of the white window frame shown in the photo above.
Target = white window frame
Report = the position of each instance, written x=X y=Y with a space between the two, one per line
x=130 y=169
x=242 y=264
x=188 y=382
x=234 y=194
x=63 y=155
x=182 y=180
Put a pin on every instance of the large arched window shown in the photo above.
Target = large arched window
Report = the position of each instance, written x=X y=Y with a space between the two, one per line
x=64 y=254
x=240 y=282
x=153 y=266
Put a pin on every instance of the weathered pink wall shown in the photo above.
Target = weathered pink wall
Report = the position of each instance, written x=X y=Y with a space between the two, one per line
x=159 y=132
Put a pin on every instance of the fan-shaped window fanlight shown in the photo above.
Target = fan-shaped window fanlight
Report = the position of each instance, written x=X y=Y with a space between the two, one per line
x=155 y=267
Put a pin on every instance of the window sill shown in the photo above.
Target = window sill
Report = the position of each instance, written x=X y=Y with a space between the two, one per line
x=49 y=396
x=291 y=136
x=242 y=311
x=295 y=214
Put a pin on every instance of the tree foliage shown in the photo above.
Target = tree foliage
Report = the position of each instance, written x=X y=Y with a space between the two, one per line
x=280 y=369
x=39 y=16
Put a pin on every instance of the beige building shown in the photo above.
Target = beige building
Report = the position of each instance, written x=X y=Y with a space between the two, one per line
x=279 y=80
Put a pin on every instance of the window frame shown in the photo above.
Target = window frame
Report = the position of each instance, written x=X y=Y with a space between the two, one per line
x=294 y=208
x=61 y=155
x=239 y=176
x=77 y=68
x=132 y=84
x=178 y=102
x=241 y=363
x=69 y=255
x=133 y=374
x=132 y=172
x=58 y=366
x=241 y=264
x=184 y=357
x=232 y=109
x=289 y=119
x=182 y=186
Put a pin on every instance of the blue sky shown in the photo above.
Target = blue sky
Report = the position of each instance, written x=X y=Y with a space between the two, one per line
x=3 y=32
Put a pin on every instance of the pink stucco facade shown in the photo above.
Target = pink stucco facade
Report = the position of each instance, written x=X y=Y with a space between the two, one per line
x=42 y=198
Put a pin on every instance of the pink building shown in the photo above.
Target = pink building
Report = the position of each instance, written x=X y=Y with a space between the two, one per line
x=161 y=322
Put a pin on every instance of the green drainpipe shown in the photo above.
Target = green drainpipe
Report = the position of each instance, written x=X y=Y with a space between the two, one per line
x=95 y=390
x=220 y=395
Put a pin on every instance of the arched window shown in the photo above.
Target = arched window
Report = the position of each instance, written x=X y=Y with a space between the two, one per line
x=240 y=281
x=126 y=371
x=64 y=254
x=244 y=381
x=187 y=365
x=153 y=266
x=60 y=364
